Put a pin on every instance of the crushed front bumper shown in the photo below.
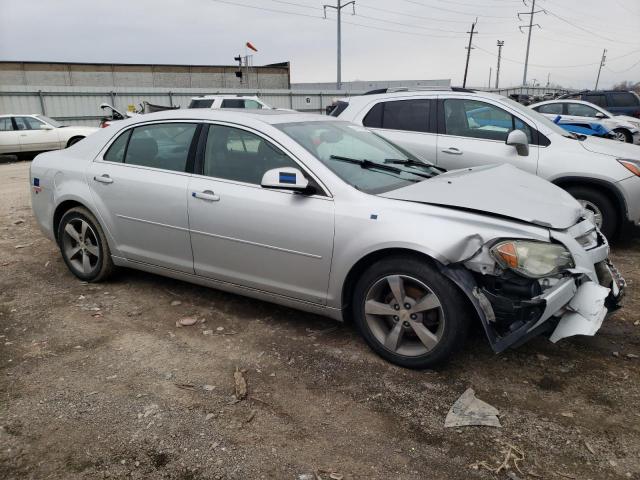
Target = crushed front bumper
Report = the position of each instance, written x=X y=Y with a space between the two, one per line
x=575 y=304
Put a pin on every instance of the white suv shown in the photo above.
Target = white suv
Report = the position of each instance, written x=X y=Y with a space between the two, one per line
x=457 y=128
x=228 y=101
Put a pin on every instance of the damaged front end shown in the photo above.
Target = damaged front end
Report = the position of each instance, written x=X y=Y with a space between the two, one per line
x=522 y=289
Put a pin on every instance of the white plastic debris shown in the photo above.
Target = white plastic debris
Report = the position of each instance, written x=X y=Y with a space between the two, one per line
x=469 y=410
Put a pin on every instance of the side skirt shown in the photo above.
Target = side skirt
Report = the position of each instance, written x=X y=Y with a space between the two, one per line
x=333 y=313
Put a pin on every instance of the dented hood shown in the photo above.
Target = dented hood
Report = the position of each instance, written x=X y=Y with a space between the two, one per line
x=501 y=190
x=610 y=147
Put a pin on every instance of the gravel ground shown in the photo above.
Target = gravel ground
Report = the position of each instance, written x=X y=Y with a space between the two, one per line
x=96 y=381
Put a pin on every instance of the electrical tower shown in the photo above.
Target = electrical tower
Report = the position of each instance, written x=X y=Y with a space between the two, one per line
x=338 y=8
x=500 y=45
x=604 y=57
x=469 y=48
x=530 y=27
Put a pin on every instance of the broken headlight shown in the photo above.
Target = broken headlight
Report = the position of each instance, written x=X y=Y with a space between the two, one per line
x=532 y=259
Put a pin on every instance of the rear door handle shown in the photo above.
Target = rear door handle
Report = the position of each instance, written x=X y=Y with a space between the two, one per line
x=452 y=151
x=104 y=178
x=207 y=195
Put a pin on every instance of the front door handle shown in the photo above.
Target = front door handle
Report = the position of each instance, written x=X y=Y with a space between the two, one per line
x=104 y=178
x=207 y=195
x=452 y=151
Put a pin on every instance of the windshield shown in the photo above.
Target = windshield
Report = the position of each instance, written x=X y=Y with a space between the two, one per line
x=50 y=121
x=358 y=156
x=537 y=117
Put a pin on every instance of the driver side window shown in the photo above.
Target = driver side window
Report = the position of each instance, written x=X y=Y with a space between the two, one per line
x=474 y=119
x=239 y=155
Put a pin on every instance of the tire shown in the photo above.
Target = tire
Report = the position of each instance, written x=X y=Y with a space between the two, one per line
x=623 y=135
x=397 y=338
x=73 y=141
x=607 y=217
x=88 y=257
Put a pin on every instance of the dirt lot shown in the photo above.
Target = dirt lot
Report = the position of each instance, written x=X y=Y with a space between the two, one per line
x=97 y=381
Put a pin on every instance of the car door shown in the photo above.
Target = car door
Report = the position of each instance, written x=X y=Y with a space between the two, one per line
x=139 y=187
x=473 y=132
x=35 y=135
x=9 y=137
x=409 y=123
x=271 y=240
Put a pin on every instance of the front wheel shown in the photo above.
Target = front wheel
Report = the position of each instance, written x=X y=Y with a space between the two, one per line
x=84 y=246
x=603 y=209
x=622 y=135
x=409 y=313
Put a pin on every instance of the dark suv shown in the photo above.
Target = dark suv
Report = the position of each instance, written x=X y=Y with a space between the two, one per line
x=615 y=101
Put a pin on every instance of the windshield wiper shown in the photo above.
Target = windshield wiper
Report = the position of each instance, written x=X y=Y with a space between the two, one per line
x=413 y=163
x=367 y=163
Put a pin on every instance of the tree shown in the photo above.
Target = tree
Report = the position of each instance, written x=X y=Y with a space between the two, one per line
x=628 y=86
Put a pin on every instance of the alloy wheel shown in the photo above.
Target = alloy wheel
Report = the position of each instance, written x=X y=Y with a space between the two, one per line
x=619 y=136
x=404 y=315
x=593 y=208
x=80 y=246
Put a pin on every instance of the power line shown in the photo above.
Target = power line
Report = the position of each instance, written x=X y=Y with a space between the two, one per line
x=451 y=11
x=590 y=32
x=411 y=15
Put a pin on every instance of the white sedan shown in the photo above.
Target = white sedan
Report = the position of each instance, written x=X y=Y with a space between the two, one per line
x=625 y=128
x=37 y=133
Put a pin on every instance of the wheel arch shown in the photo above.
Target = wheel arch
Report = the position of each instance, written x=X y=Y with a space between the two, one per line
x=369 y=259
x=62 y=208
x=607 y=188
x=75 y=137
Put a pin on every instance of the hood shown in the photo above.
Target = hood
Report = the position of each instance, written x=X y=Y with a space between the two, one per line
x=627 y=119
x=611 y=147
x=502 y=190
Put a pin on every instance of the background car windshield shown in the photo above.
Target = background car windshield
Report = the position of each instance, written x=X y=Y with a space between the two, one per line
x=326 y=139
x=51 y=121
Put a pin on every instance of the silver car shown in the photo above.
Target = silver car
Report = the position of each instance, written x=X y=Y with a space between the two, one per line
x=327 y=217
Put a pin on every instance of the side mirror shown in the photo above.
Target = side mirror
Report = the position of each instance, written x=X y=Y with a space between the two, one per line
x=519 y=139
x=44 y=126
x=600 y=115
x=285 y=178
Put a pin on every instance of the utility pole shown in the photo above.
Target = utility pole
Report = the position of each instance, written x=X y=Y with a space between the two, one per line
x=338 y=8
x=530 y=27
x=548 y=79
x=466 y=67
x=500 y=45
x=604 y=57
x=489 y=84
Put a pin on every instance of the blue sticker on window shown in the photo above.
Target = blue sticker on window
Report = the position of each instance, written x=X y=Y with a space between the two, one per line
x=287 y=177
x=36 y=182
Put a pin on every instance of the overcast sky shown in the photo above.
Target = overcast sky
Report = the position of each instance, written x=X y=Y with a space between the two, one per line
x=393 y=39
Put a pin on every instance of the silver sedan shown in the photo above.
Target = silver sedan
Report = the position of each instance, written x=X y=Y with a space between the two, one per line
x=325 y=216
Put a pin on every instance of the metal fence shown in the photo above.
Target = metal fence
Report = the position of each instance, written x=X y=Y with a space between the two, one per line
x=81 y=105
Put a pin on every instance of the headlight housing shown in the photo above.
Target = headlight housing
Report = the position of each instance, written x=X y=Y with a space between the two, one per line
x=630 y=164
x=532 y=259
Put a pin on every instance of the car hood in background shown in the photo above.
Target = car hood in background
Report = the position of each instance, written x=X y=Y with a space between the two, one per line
x=610 y=147
x=501 y=190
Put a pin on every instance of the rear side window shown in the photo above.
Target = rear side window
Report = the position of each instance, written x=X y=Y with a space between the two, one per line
x=201 y=103
x=232 y=103
x=338 y=108
x=164 y=145
x=408 y=115
x=580 y=110
x=5 y=124
x=552 y=108
x=117 y=149
x=623 y=99
x=597 y=99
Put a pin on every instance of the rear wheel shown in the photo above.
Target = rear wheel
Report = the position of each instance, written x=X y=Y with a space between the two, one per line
x=604 y=211
x=622 y=135
x=84 y=246
x=409 y=313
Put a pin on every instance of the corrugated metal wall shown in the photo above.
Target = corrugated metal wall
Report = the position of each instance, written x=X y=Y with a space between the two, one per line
x=80 y=105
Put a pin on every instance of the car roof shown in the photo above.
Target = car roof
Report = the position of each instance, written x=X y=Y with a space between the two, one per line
x=4 y=115
x=228 y=95
x=419 y=93
x=566 y=100
x=233 y=115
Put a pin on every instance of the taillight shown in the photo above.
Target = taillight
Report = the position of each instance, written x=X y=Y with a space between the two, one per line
x=104 y=124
